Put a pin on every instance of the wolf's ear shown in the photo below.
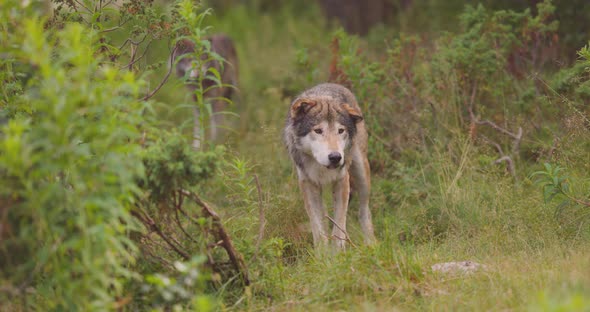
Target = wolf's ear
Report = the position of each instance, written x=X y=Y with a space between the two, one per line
x=301 y=107
x=353 y=112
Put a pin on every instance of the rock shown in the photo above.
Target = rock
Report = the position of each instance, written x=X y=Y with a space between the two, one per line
x=464 y=267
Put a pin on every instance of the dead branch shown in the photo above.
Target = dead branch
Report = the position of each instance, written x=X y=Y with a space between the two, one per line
x=151 y=225
x=150 y=94
x=178 y=204
x=184 y=213
x=496 y=145
x=346 y=237
x=515 y=146
x=517 y=137
x=152 y=254
x=222 y=235
x=509 y=164
x=210 y=260
x=517 y=140
x=133 y=58
x=110 y=29
x=576 y=200
x=503 y=157
x=261 y=218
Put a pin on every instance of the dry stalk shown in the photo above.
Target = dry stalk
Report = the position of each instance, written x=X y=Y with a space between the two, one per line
x=346 y=237
x=261 y=218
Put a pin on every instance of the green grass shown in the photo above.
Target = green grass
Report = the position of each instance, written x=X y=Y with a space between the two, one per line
x=444 y=204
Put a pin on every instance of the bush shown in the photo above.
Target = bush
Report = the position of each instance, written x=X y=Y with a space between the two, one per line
x=73 y=164
x=67 y=171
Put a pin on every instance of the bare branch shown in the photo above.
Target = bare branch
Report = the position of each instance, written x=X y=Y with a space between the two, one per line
x=498 y=147
x=110 y=29
x=149 y=223
x=221 y=234
x=133 y=60
x=503 y=158
x=500 y=129
x=517 y=137
x=129 y=40
x=509 y=164
x=149 y=95
x=151 y=253
x=132 y=57
x=178 y=206
x=516 y=143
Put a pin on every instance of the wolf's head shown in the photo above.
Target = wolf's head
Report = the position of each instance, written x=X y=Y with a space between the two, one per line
x=325 y=127
x=186 y=66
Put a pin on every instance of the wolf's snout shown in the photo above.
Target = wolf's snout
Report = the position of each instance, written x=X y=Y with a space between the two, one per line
x=335 y=158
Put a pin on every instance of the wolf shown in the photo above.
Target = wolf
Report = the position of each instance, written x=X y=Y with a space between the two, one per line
x=327 y=141
x=223 y=46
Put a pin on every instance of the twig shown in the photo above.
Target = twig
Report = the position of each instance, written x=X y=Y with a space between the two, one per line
x=134 y=60
x=149 y=95
x=129 y=40
x=578 y=201
x=346 y=237
x=516 y=144
x=500 y=129
x=509 y=164
x=132 y=57
x=498 y=147
x=152 y=225
x=178 y=206
x=148 y=250
x=110 y=29
x=261 y=218
x=517 y=137
x=234 y=256
x=503 y=157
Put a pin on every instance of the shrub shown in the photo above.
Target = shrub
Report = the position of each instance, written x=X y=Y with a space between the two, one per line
x=73 y=166
x=67 y=171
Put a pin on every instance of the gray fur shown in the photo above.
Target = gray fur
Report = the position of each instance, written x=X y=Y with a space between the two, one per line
x=333 y=105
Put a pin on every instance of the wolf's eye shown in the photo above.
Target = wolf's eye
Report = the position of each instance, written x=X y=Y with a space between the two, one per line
x=318 y=131
x=341 y=130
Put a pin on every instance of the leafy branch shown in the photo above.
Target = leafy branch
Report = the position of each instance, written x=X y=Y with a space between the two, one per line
x=554 y=183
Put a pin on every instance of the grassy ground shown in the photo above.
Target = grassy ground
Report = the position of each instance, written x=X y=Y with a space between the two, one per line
x=439 y=205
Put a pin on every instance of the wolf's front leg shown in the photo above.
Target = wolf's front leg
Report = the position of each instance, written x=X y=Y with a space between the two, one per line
x=340 y=195
x=312 y=198
x=196 y=130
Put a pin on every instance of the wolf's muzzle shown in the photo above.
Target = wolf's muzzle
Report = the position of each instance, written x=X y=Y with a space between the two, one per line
x=334 y=158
